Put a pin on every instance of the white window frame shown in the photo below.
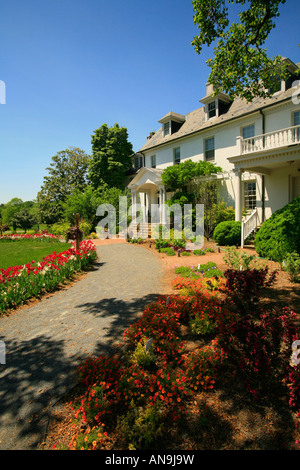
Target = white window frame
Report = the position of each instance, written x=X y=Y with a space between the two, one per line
x=248 y=127
x=248 y=196
x=215 y=109
x=296 y=132
x=167 y=128
x=174 y=156
x=153 y=161
x=209 y=150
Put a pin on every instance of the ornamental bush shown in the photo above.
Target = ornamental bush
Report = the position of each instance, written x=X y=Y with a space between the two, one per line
x=228 y=233
x=280 y=234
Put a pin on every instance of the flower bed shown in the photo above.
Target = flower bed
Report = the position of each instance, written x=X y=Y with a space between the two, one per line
x=44 y=236
x=145 y=392
x=20 y=283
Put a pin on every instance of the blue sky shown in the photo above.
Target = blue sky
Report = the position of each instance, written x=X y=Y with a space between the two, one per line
x=71 y=65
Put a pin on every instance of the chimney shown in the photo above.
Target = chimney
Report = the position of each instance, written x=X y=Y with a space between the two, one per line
x=150 y=135
x=209 y=89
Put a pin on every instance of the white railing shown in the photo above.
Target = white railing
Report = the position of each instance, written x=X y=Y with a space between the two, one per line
x=249 y=226
x=271 y=140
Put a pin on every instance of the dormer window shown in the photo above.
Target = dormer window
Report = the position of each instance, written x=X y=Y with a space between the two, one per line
x=212 y=109
x=167 y=128
x=216 y=105
x=171 y=123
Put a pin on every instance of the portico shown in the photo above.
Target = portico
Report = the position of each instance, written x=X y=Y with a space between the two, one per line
x=148 y=194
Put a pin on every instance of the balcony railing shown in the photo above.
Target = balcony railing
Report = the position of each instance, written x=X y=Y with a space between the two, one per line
x=271 y=140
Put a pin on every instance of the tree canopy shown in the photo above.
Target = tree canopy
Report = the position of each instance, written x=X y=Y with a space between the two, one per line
x=67 y=172
x=241 y=65
x=178 y=176
x=23 y=219
x=10 y=209
x=111 y=157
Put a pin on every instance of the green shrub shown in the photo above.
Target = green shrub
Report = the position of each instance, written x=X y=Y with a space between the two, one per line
x=199 y=252
x=60 y=228
x=183 y=270
x=206 y=266
x=213 y=272
x=160 y=243
x=169 y=251
x=141 y=426
x=86 y=228
x=202 y=325
x=185 y=253
x=292 y=266
x=228 y=233
x=209 y=269
x=179 y=243
x=145 y=359
x=234 y=259
x=280 y=234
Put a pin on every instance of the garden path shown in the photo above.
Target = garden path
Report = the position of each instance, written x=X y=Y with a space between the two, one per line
x=46 y=341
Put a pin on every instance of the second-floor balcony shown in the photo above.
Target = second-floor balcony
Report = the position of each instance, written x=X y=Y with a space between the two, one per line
x=270 y=141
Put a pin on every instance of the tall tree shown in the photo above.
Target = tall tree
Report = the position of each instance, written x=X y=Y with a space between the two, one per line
x=24 y=220
x=67 y=172
x=111 y=157
x=241 y=66
x=10 y=209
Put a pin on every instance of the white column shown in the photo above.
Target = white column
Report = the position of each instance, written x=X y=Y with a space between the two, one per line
x=163 y=205
x=133 y=203
x=144 y=207
x=160 y=206
x=238 y=195
x=259 y=197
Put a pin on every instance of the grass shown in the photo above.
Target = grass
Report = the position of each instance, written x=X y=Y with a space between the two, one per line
x=24 y=251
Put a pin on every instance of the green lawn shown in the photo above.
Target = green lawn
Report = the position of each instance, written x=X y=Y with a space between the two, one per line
x=15 y=253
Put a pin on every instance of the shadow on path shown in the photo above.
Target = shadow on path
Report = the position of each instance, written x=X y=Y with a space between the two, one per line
x=46 y=342
x=116 y=315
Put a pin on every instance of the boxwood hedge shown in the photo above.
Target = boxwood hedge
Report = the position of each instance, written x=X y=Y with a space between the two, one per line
x=280 y=234
x=228 y=233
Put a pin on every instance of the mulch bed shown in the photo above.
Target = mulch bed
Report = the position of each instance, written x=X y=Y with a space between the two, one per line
x=222 y=419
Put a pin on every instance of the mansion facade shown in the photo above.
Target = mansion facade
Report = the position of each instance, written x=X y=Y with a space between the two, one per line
x=257 y=145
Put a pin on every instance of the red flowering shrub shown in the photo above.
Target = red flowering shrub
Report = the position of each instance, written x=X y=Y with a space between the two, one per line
x=202 y=367
x=161 y=323
x=245 y=286
x=253 y=347
x=260 y=349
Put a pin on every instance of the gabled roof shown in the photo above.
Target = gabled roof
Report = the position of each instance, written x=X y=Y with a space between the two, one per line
x=171 y=116
x=196 y=120
x=154 y=175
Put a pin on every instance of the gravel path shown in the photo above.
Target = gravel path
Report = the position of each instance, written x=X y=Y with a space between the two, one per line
x=45 y=342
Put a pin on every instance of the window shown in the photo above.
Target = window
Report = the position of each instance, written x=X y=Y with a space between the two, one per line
x=296 y=118
x=250 y=195
x=223 y=107
x=209 y=146
x=153 y=161
x=248 y=132
x=276 y=86
x=212 y=109
x=166 y=128
x=290 y=80
x=176 y=156
x=138 y=163
x=296 y=122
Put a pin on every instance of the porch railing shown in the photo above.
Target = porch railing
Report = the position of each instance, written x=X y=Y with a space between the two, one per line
x=248 y=226
x=271 y=140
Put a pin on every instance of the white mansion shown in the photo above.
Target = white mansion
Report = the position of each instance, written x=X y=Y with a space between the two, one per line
x=257 y=145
